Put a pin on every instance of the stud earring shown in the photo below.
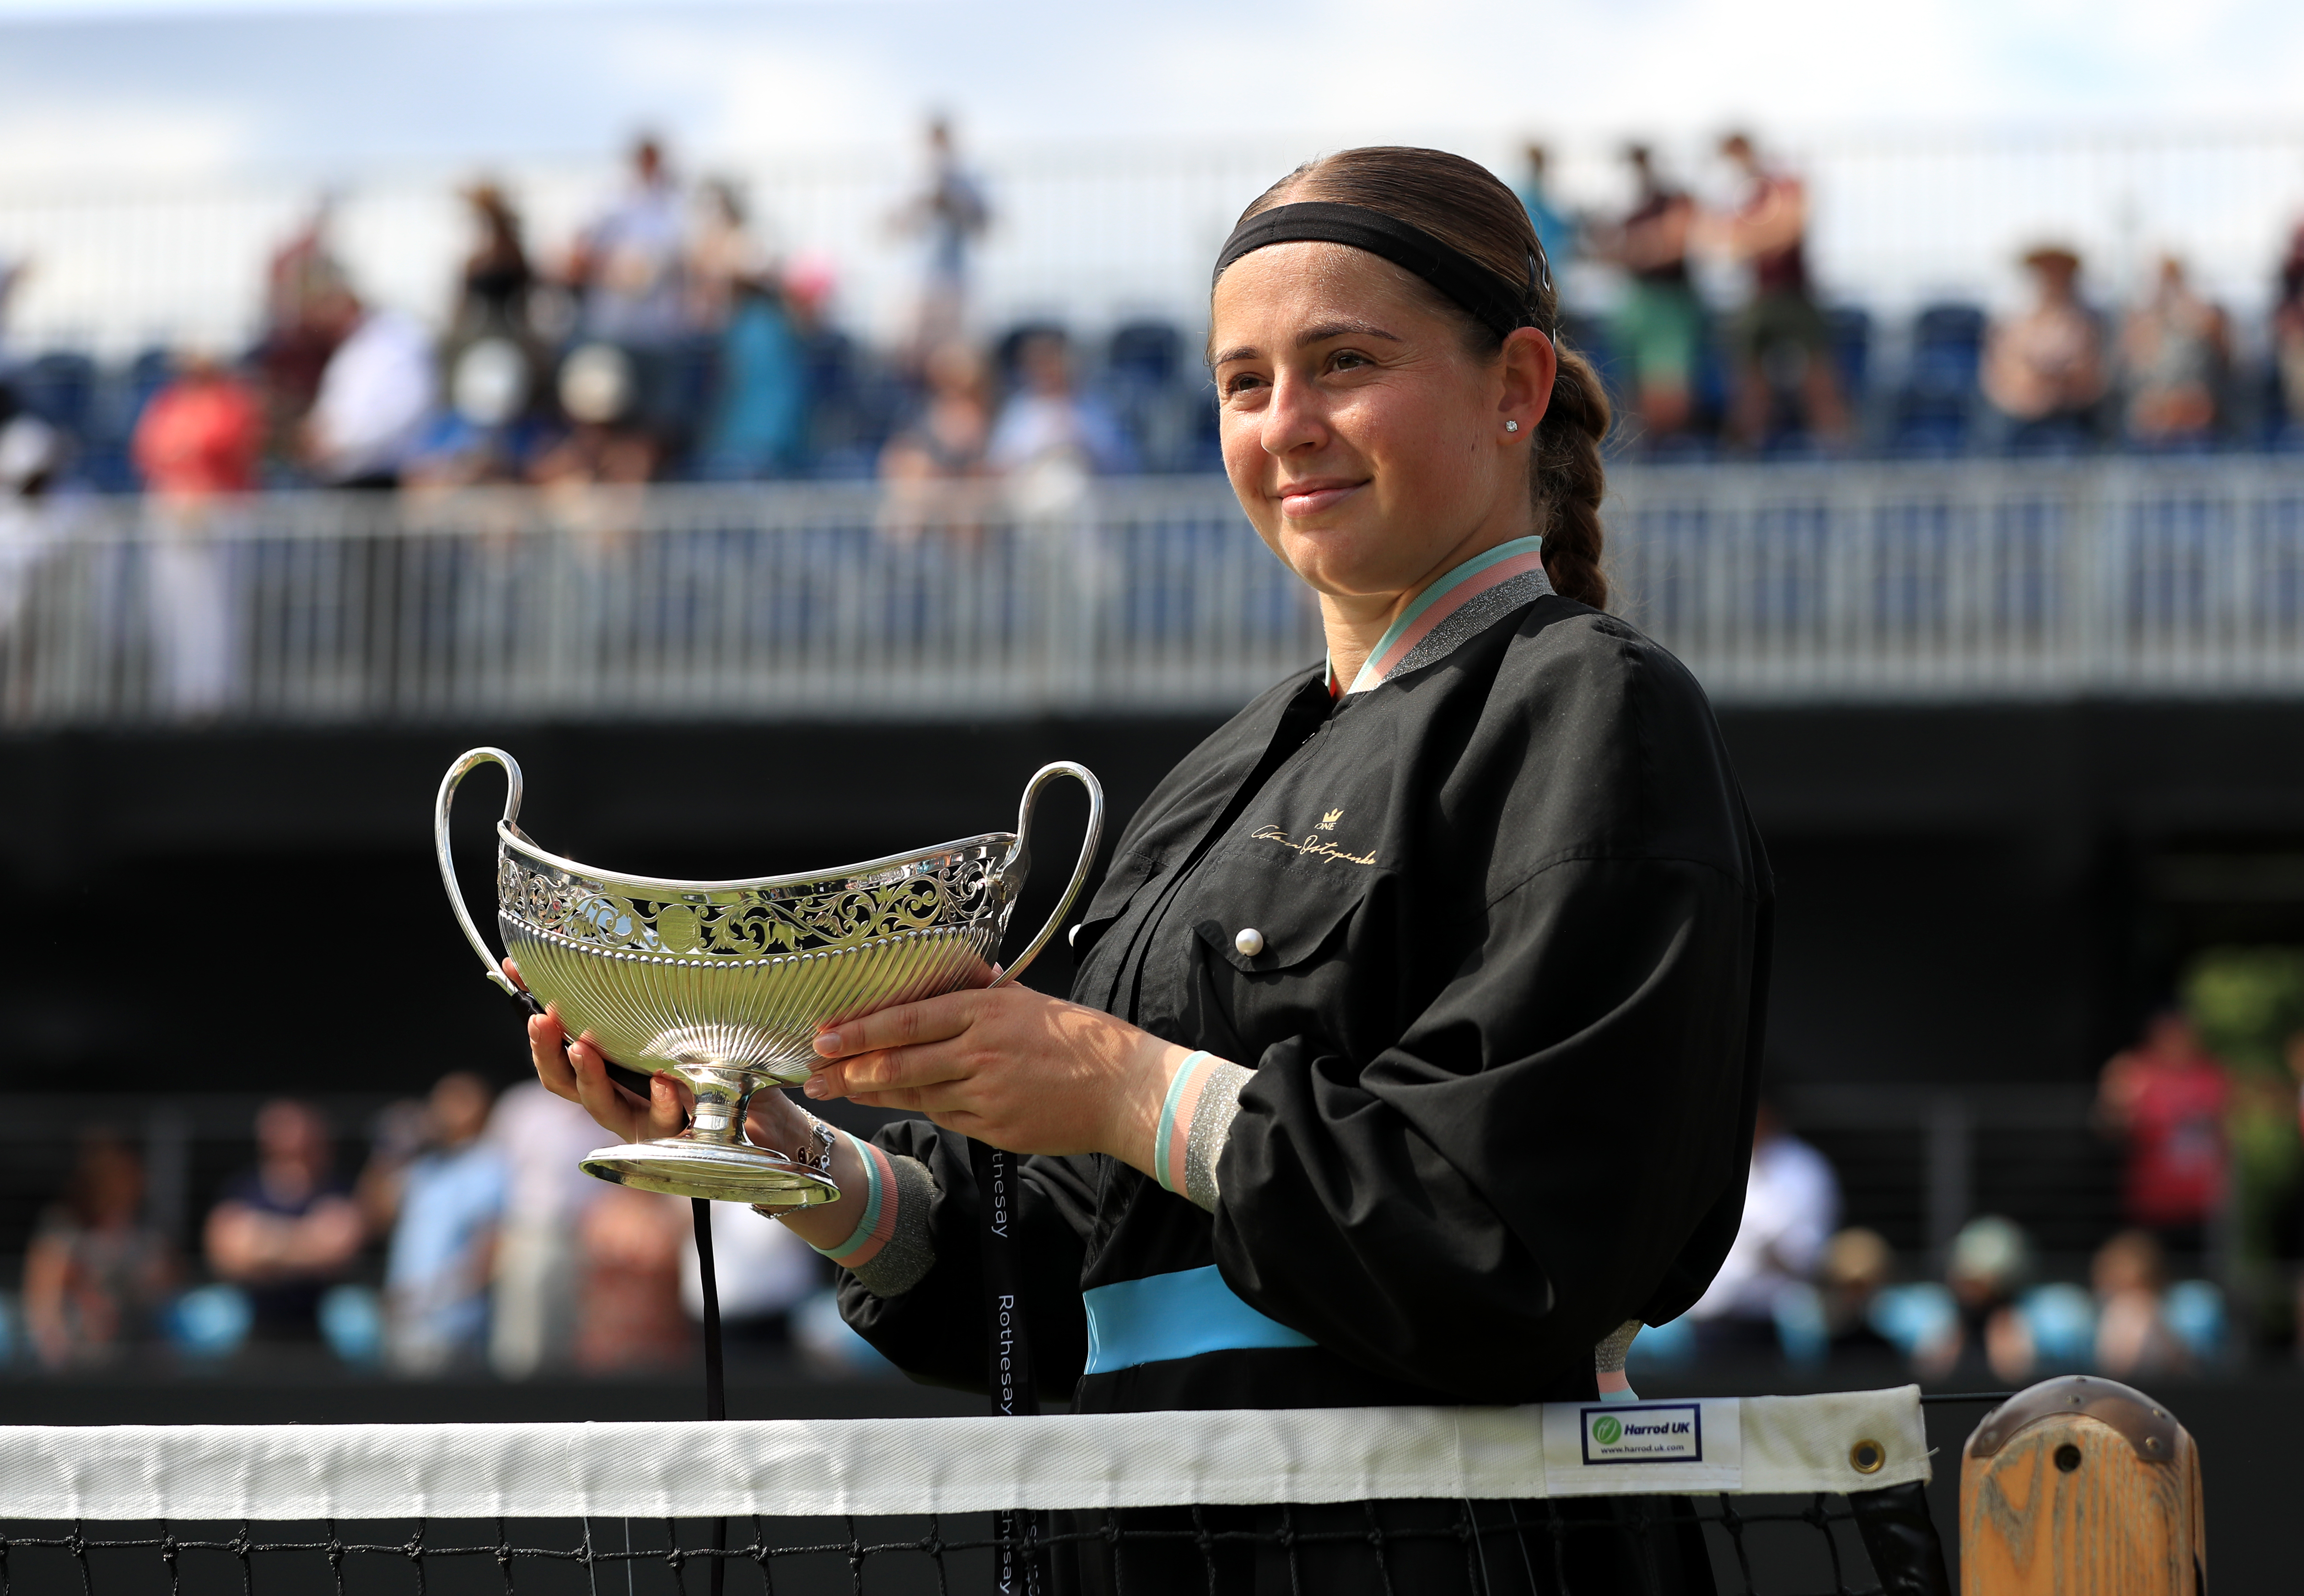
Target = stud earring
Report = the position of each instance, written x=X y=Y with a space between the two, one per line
x=1511 y=426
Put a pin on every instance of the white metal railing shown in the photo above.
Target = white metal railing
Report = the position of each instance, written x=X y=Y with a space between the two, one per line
x=2118 y=577
x=1777 y=584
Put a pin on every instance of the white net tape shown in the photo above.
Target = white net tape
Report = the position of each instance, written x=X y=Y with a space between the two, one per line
x=1839 y=1442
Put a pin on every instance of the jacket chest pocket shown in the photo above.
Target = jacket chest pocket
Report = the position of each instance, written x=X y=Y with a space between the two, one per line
x=1276 y=940
x=1266 y=927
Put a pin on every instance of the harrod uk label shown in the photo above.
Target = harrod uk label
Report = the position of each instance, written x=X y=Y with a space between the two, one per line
x=1694 y=1444
x=1643 y=1433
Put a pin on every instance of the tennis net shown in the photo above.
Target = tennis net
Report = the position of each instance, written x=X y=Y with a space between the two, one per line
x=1793 y=1496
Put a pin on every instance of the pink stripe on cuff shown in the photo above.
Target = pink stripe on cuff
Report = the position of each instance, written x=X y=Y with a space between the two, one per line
x=869 y=1247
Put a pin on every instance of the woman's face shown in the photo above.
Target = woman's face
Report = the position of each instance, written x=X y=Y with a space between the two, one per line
x=1367 y=443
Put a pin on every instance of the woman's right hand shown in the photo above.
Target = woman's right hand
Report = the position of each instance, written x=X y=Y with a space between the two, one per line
x=578 y=1071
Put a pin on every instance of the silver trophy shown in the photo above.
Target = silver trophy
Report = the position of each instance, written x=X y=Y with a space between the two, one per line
x=725 y=984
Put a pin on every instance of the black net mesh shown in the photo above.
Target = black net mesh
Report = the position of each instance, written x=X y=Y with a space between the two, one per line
x=1764 y=1546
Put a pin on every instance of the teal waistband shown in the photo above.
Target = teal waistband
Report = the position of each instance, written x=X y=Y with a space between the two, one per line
x=1174 y=1315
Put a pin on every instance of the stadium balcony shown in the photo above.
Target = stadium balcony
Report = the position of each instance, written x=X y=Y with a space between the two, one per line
x=1848 y=583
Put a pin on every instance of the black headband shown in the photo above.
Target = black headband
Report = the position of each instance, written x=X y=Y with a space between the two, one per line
x=1496 y=304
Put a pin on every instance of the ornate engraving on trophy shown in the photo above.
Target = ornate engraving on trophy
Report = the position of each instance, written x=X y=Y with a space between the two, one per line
x=963 y=888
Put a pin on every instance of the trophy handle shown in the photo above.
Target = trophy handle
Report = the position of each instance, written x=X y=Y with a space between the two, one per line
x=1019 y=858
x=464 y=767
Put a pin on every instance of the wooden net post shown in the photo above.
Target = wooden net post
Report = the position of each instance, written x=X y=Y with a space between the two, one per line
x=2081 y=1487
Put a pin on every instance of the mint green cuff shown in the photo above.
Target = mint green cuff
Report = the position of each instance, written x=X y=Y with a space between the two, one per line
x=873 y=1196
x=1165 y=1140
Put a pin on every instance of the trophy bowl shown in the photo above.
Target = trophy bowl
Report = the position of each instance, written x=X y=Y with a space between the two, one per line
x=725 y=984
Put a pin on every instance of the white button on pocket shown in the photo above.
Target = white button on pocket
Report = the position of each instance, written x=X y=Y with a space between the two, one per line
x=1250 y=942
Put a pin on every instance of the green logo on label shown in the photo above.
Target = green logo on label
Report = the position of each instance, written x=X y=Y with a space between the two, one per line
x=1607 y=1430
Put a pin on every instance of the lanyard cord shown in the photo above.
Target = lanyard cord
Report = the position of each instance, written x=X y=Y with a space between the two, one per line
x=1008 y=1348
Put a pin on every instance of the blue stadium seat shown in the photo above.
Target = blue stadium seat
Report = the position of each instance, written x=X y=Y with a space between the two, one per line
x=1155 y=389
x=1149 y=352
x=60 y=388
x=1009 y=344
x=1934 y=410
x=121 y=393
x=148 y=374
x=1851 y=351
x=1947 y=347
x=854 y=401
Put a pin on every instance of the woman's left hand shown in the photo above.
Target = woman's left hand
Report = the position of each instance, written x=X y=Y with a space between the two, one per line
x=1009 y=1065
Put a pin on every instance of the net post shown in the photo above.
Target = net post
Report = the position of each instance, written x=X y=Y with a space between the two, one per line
x=2081 y=1484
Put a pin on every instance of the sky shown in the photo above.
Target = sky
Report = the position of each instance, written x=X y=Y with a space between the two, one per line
x=151 y=151
x=164 y=88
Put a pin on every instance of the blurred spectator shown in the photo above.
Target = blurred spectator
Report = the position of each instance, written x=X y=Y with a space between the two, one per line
x=493 y=361
x=629 y=269
x=948 y=440
x=1792 y=1203
x=599 y=390
x=540 y=1138
x=2287 y=328
x=629 y=263
x=951 y=211
x=302 y=283
x=199 y=437
x=1782 y=337
x=758 y=423
x=2174 y=349
x=396 y=1139
x=2044 y=371
x=95 y=1275
x=724 y=257
x=629 y=1318
x=375 y=398
x=490 y=431
x=493 y=294
x=2132 y=1335
x=2166 y=1099
x=12 y=273
x=287 y=1228
x=1857 y=1268
x=443 y=1255
x=1553 y=228
x=1990 y=1265
x=1660 y=324
x=1050 y=439
x=761 y=1271
x=32 y=458
x=196 y=447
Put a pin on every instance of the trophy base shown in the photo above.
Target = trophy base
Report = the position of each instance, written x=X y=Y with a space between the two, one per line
x=721 y=1172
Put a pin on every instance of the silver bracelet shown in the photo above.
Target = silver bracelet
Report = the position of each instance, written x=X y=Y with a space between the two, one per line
x=826 y=1139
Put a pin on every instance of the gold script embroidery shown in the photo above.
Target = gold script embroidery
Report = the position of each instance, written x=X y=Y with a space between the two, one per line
x=1311 y=847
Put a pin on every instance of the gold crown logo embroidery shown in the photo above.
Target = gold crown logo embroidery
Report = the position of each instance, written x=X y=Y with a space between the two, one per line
x=1329 y=821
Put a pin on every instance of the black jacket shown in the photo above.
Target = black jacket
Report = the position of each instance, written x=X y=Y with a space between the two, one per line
x=1505 y=1026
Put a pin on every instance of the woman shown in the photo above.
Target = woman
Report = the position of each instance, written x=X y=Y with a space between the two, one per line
x=1418 y=1018
x=95 y=1275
